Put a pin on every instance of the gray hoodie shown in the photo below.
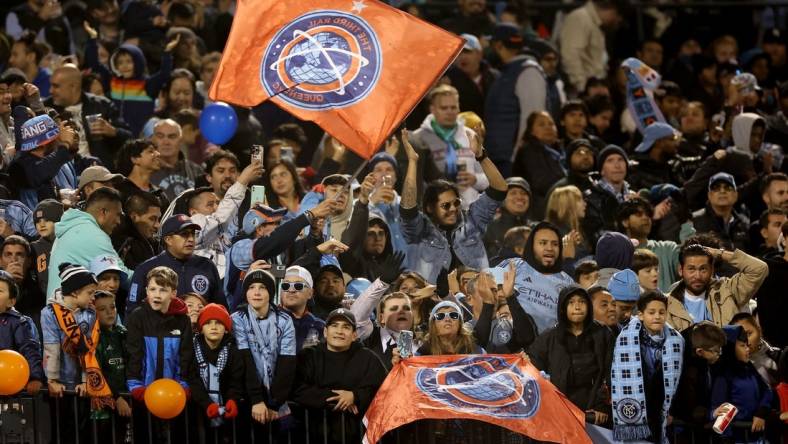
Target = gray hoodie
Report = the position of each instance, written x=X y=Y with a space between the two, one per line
x=741 y=129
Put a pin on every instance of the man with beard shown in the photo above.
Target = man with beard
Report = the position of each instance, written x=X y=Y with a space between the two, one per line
x=368 y=239
x=538 y=275
x=221 y=171
x=329 y=289
x=774 y=196
x=635 y=220
x=138 y=243
x=580 y=154
x=442 y=235
x=196 y=274
x=700 y=296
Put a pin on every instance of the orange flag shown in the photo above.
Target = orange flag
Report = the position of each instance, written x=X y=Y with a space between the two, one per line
x=504 y=390
x=354 y=67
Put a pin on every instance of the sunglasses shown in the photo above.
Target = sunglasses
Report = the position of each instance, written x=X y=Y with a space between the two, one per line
x=446 y=205
x=442 y=315
x=296 y=286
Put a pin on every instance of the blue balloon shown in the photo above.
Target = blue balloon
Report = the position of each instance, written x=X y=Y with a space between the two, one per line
x=218 y=123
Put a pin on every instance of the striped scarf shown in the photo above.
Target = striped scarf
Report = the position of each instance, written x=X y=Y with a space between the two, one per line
x=630 y=419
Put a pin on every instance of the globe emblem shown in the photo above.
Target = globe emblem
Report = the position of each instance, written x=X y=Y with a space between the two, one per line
x=324 y=59
x=321 y=59
x=485 y=385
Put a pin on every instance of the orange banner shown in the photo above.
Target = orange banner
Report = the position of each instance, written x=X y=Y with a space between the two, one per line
x=504 y=390
x=354 y=67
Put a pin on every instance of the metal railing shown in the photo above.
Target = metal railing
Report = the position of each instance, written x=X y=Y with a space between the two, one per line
x=41 y=419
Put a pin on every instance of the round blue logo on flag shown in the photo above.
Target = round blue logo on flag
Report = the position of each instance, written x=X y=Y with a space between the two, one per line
x=484 y=385
x=323 y=59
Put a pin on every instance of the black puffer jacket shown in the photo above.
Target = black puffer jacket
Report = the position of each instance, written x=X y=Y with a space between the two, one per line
x=550 y=353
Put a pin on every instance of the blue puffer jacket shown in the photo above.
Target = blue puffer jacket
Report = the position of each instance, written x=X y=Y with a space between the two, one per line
x=159 y=345
x=18 y=333
x=429 y=249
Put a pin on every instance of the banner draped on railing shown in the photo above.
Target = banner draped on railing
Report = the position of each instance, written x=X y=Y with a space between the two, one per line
x=504 y=390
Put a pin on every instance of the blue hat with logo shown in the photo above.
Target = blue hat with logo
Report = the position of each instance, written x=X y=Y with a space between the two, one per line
x=722 y=177
x=261 y=214
x=624 y=286
x=654 y=132
x=38 y=131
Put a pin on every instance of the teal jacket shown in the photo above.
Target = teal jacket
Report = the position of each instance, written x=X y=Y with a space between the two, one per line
x=78 y=240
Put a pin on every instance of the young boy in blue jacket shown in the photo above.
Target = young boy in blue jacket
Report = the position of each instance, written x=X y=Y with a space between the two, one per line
x=158 y=342
x=738 y=382
x=18 y=332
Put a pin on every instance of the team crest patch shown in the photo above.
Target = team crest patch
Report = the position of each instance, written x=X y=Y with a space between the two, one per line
x=629 y=410
x=485 y=385
x=200 y=284
x=323 y=59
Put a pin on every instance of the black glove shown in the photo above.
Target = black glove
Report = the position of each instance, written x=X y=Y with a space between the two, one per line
x=442 y=283
x=391 y=267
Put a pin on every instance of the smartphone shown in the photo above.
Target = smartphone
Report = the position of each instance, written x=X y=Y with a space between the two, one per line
x=286 y=152
x=387 y=181
x=257 y=153
x=258 y=194
x=278 y=271
x=405 y=344
x=462 y=166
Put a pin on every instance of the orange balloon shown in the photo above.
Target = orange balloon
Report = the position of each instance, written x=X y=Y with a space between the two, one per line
x=165 y=398
x=14 y=372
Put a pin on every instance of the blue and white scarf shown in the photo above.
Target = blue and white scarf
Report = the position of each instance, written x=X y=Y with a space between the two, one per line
x=641 y=83
x=264 y=344
x=210 y=375
x=630 y=419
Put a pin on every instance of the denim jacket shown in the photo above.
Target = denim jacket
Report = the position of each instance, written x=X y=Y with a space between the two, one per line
x=429 y=249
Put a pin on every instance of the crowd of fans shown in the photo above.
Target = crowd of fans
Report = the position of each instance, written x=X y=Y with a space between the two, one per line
x=521 y=210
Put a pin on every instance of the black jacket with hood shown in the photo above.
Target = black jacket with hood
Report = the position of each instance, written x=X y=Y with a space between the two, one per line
x=356 y=262
x=550 y=353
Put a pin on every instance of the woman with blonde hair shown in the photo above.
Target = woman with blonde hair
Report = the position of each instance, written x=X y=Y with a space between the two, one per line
x=566 y=209
x=448 y=334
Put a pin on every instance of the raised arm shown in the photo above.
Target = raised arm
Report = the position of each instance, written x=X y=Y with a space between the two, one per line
x=409 y=188
x=497 y=182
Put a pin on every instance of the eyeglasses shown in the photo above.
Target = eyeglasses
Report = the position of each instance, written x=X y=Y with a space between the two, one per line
x=295 y=286
x=446 y=205
x=442 y=315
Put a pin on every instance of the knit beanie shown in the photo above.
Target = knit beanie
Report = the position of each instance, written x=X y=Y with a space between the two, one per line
x=38 y=131
x=608 y=151
x=624 y=286
x=576 y=144
x=74 y=277
x=382 y=157
x=217 y=312
x=614 y=250
x=263 y=277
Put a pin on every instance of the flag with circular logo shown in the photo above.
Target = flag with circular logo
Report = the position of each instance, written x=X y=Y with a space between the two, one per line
x=355 y=67
x=504 y=390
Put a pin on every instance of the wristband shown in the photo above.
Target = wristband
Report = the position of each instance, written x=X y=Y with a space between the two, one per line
x=309 y=216
x=483 y=156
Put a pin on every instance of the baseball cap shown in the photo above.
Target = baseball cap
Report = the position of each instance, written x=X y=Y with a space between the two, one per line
x=96 y=173
x=48 y=209
x=508 y=34
x=518 y=182
x=330 y=263
x=654 y=132
x=343 y=314
x=177 y=223
x=722 y=177
x=472 y=42
x=261 y=214
x=299 y=271
x=13 y=75
x=104 y=263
